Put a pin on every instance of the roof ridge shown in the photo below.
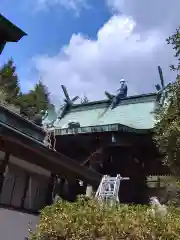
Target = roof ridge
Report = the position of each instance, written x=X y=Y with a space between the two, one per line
x=107 y=100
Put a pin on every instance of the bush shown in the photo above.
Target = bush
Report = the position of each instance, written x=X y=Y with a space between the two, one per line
x=89 y=220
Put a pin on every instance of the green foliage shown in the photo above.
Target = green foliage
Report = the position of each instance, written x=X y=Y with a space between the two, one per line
x=30 y=103
x=9 y=82
x=36 y=100
x=167 y=130
x=174 y=40
x=86 y=220
x=3 y=102
x=41 y=96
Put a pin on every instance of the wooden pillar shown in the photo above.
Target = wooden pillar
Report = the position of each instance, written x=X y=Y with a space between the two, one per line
x=61 y=187
x=50 y=189
x=72 y=189
x=3 y=167
x=58 y=189
x=25 y=190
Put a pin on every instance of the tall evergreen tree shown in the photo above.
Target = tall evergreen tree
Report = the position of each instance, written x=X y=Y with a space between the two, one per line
x=30 y=103
x=36 y=101
x=41 y=96
x=9 y=82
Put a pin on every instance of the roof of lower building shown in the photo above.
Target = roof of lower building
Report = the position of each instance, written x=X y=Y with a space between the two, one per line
x=21 y=134
x=133 y=113
x=9 y=31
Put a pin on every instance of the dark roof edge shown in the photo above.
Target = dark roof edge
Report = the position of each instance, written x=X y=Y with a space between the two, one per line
x=22 y=33
x=116 y=127
x=56 y=158
x=106 y=101
x=22 y=119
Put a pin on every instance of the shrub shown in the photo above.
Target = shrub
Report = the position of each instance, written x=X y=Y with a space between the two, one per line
x=90 y=220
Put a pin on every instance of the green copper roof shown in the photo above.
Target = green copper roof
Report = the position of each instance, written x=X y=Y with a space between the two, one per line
x=133 y=113
x=10 y=32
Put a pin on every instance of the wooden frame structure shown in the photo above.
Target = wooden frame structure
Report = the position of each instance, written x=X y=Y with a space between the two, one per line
x=22 y=140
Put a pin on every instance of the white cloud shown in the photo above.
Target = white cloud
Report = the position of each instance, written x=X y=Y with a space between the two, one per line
x=90 y=67
x=130 y=45
x=75 y=5
x=116 y=5
x=162 y=14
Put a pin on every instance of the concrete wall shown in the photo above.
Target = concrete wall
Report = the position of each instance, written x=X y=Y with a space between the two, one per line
x=14 y=225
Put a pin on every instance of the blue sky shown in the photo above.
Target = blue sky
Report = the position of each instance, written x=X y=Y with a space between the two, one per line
x=48 y=30
x=89 y=45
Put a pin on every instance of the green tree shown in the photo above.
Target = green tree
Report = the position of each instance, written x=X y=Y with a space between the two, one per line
x=9 y=82
x=35 y=101
x=167 y=130
x=41 y=97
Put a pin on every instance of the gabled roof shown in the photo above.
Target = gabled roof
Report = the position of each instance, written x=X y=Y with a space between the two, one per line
x=133 y=113
x=8 y=30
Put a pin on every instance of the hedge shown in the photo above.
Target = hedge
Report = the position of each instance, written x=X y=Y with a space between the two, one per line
x=90 y=220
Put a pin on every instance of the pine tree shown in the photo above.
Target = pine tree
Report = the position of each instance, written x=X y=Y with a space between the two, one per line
x=41 y=97
x=35 y=101
x=9 y=82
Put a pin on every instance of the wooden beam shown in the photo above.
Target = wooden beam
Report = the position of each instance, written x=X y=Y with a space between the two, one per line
x=48 y=200
x=49 y=159
x=93 y=156
x=3 y=167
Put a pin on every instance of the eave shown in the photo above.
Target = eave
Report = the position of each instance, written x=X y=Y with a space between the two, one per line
x=21 y=124
x=10 y=31
x=31 y=150
x=99 y=129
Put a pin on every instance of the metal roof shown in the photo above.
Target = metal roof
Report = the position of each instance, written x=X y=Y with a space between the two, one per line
x=134 y=112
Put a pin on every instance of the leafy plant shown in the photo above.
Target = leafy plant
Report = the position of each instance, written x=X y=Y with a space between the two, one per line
x=90 y=220
x=167 y=129
x=5 y=103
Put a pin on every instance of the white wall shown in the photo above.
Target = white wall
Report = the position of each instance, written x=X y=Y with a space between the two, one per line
x=14 y=225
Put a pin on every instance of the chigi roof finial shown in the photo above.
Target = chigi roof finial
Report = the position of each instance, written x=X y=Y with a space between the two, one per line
x=162 y=89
